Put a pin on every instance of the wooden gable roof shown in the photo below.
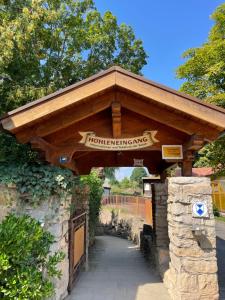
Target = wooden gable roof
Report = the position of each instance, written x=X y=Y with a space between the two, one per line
x=115 y=103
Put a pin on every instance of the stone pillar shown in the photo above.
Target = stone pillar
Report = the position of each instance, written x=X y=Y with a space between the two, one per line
x=192 y=271
x=160 y=224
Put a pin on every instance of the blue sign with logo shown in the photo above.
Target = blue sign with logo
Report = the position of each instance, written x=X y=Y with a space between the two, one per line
x=200 y=209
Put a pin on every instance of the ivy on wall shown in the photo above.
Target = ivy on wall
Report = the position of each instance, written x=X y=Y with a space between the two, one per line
x=95 y=195
x=37 y=181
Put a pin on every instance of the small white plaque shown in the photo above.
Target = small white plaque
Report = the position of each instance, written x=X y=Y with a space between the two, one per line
x=200 y=209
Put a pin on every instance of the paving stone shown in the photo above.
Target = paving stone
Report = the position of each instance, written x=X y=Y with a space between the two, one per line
x=120 y=273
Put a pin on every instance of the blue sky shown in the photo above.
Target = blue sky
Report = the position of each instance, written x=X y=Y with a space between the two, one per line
x=167 y=28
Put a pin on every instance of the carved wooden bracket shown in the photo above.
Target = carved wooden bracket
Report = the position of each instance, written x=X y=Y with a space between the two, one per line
x=195 y=143
x=59 y=156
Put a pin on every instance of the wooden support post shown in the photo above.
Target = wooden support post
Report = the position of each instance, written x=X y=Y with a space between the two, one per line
x=187 y=164
x=195 y=143
x=116 y=119
x=163 y=176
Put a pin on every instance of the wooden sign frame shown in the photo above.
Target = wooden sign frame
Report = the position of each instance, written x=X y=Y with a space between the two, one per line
x=172 y=157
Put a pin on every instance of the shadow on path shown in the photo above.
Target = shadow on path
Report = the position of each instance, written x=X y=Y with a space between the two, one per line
x=220 y=241
x=118 y=271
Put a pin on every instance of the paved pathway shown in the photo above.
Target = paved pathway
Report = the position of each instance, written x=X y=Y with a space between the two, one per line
x=118 y=271
x=220 y=232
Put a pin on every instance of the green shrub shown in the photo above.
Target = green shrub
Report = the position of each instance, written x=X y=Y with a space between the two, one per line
x=26 y=268
x=216 y=211
x=96 y=190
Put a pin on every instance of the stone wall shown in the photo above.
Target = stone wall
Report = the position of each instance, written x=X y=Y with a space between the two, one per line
x=114 y=222
x=192 y=271
x=161 y=240
x=54 y=215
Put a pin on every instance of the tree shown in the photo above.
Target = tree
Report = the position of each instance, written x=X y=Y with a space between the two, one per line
x=49 y=44
x=137 y=175
x=125 y=183
x=204 y=69
x=110 y=174
x=204 y=72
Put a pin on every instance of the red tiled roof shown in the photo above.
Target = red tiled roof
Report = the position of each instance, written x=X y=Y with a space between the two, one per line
x=201 y=172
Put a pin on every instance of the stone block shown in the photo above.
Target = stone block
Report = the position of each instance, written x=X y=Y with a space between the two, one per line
x=187 y=282
x=55 y=230
x=208 y=284
x=170 y=278
x=193 y=251
x=200 y=266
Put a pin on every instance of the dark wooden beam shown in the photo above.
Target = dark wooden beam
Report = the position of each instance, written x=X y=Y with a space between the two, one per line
x=65 y=118
x=195 y=143
x=52 y=154
x=116 y=119
x=167 y=117
x=187 y=163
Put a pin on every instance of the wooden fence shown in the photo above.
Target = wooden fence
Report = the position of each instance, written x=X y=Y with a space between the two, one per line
x=218 y=194
x=133 y=205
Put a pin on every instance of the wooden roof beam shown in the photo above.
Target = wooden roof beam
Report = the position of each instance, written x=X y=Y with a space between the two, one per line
x=167 y=117
x=172 y=99
x=64 y=119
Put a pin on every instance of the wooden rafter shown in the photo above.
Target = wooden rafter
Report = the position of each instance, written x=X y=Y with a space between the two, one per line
x=120 y=79
x=66 y=118
x=115 y=104
x=167 y=117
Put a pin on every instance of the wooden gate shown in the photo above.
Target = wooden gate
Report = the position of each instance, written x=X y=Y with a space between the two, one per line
x=77 y=246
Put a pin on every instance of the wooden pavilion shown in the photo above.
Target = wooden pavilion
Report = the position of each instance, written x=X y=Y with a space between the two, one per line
x=112 y=118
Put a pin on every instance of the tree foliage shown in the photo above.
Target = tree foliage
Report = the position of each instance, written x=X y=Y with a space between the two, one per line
x=110 y=173
x=49 y=44
x=204 y=74
x=24 y=259
x=213 y=155
x=137 y=175
x=204 y=69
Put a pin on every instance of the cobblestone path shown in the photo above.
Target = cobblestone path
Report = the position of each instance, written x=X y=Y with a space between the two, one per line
x=118 y=271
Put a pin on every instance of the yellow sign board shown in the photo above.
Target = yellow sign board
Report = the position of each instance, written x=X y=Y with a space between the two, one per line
x=172 y=152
